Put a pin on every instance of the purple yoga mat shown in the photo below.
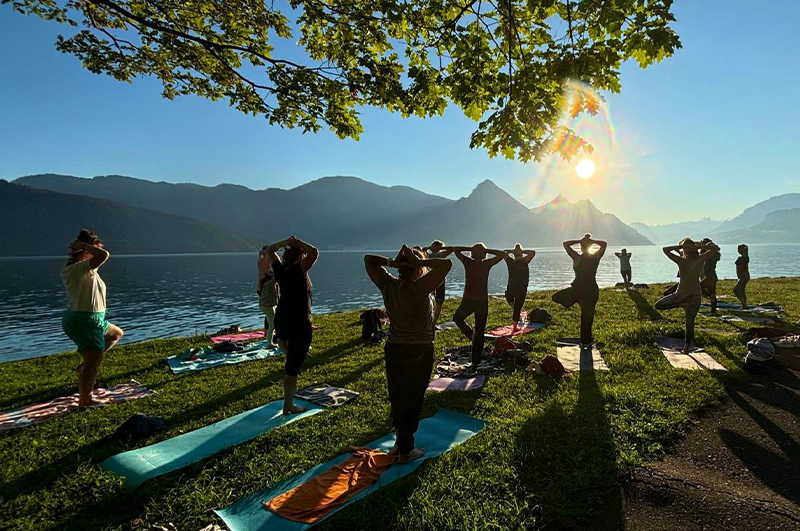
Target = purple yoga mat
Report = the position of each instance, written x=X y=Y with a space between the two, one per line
x=456 y=384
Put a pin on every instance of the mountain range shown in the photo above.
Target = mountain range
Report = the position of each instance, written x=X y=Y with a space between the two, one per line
x=346 y=212
x=140 y=216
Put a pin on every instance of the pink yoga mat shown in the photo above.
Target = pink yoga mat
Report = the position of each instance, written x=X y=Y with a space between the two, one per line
x=456 y=384
x=508 y=330
x=38 y=413
x=244 y=336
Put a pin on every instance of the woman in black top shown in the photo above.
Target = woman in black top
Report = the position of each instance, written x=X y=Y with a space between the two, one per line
x=584 y=289
x=293 y=314
x=517 y=261
x=743 y=274
x=708 y=275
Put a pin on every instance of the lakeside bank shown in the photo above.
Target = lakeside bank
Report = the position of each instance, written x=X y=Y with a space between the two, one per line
x=549 y=453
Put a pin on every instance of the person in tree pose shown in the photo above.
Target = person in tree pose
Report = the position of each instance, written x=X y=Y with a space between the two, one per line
x=476 y=293
x=84 y=322
x=408 y=351
x=584 y=290
x=625 y=266
x=688 y=295
x=293 y=313
x=517 y=261
x=267 y=295
x=437 y=249
x=742 y=273
x=708 y=273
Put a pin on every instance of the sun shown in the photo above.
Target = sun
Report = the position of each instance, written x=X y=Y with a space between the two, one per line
x=585 y=168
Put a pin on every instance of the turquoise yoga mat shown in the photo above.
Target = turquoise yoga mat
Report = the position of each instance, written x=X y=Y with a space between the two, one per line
x=436 y=434
x=137 y=466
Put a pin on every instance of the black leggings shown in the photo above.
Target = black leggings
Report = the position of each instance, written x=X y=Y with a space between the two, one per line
x=690 y=305
x=408 y=369
x=739 y=289
x=516 y=298
x=587 y=300
x=626 y=276
x=481 y=310
x=439 y=293
x=298 y=340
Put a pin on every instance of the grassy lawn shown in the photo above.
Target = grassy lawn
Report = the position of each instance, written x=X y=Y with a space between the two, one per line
x=547 y=457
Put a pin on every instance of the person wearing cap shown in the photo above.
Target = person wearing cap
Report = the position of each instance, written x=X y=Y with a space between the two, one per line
x=84 y=322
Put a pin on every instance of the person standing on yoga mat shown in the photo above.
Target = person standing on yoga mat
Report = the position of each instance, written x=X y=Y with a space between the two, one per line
x=476 y=293
x=688 y=295
x=293 y=313
x=625 y=267
x=743 y=274
x=408 y=351
x=267 y=295
x=584 y=289
x=708 y=273
x=518 y=260
x=84 y=322
x=438 y=250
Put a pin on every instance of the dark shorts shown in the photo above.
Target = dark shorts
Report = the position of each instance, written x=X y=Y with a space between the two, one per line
x=439 y=294
x=298 y=336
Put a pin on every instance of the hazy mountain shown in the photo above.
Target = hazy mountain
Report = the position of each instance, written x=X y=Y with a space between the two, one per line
x=346 y=212
x=781 y=226
x=758 y=212
x=40 y=222
x=341 y=211
x=561 y=220
x=674 y=232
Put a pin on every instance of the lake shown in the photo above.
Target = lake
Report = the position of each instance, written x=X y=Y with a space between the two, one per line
x=178 y=295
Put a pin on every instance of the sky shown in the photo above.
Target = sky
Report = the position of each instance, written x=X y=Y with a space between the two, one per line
x=706 y=133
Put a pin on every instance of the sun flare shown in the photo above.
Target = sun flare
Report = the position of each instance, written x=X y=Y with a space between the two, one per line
x=585 y=168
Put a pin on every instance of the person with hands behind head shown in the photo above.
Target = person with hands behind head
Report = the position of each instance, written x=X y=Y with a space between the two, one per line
x=476 y=293
x=518 y=260
x=84 y=322
x=690 y=262
x=267 y=291
x=625 y=267
x=408 y=351
x=708 y=273
x=437 y=249
x=584 y=289
x=293 y=313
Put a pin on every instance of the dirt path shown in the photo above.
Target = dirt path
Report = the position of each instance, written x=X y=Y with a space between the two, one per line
x=737 y=470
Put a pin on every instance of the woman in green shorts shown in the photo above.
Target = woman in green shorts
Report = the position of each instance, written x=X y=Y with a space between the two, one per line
x=84 y=322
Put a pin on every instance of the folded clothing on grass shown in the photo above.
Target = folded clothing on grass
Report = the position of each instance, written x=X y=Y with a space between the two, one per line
x=43 y=411
x=326 y=395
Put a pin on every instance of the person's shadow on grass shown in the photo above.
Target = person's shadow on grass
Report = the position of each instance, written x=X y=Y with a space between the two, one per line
x=644 y=308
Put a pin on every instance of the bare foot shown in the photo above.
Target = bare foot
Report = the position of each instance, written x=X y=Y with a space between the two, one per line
x=294 y=410
x=91 y=403
x=413 y=455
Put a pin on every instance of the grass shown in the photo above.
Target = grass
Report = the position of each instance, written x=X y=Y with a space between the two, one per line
x=547 y=457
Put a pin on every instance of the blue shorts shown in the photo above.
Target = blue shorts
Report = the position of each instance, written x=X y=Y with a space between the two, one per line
x=86 y=329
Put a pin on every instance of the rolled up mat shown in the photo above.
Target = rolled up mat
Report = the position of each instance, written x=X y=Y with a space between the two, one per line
x=697 y=358
x=137 y=466
x=574 y=358
x=436 y=434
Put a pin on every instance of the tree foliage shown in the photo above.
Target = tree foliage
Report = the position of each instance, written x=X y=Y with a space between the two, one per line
x=311 y=63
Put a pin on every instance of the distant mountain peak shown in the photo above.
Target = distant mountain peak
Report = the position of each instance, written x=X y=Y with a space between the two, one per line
x=559 y=199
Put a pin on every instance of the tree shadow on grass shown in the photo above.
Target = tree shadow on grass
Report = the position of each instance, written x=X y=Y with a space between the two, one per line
x=644 y=308
x=567 y=460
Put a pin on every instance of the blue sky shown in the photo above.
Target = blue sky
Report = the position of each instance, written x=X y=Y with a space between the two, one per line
x=708 y=132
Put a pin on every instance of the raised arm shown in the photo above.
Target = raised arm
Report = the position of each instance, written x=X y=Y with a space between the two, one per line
x=375 y=265
x=499 y=256
x=602 y=250
x=271 y=250
x=570 y=251
x=99 y=255
x=312 y=253
x=459 y=252
x=528 y=255
x=670 y=251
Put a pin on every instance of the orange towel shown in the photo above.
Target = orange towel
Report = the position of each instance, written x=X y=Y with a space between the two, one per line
x=321 y=494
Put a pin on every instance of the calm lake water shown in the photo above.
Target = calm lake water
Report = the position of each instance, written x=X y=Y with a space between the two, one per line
x=179 y=295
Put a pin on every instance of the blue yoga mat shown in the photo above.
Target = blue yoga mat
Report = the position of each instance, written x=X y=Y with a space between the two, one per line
x=137 y=466
x=436 y=434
